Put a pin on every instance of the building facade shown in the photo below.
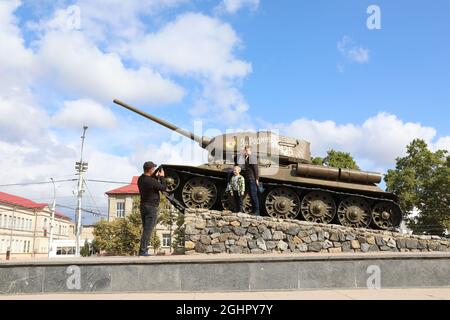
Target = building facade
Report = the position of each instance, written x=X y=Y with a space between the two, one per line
x=65 y=248
x=120 y=205
x=25 y=227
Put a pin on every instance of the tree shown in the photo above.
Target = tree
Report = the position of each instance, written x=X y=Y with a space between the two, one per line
x=155 y=242
x=165 y=212
x=121 y=236
x=95 y=247
x=337 y=159
x=178 y=243
x=85 y=251
x=421 y=180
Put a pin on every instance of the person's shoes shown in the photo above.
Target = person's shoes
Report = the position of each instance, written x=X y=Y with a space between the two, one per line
x=145 y=254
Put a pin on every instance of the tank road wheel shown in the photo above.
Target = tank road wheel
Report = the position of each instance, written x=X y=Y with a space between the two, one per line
x=172 y=181
x=318 y=207
x=228 y=203
x=354 y=212
x=386 y=215
x=282 y=203
x=199 y=193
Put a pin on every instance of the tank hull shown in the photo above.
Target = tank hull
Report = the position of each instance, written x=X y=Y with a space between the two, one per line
x=294 y=188
x=288 y=195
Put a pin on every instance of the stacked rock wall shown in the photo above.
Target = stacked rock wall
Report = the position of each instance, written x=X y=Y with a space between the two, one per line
x=227 y=232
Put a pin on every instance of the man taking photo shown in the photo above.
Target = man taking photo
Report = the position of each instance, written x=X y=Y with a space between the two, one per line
x=149 y=184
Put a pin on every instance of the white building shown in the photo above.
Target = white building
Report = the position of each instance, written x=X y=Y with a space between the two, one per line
x=25 y=227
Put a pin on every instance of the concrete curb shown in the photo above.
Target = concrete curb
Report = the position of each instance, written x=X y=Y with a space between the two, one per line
x=241 y=273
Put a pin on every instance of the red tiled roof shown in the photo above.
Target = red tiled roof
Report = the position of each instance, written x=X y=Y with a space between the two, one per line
x=132 y=188
x=27 y=203
x=19 y=201
x=62 y=216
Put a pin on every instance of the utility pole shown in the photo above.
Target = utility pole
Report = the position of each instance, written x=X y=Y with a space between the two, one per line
x=81 y=167
x=52 y=220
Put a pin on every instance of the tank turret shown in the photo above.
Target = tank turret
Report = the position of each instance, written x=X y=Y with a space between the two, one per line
x=294 y=188
x=267 y=146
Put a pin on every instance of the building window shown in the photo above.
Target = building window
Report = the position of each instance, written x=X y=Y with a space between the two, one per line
x=166 y=240
x=1 y=220
x=120 y=212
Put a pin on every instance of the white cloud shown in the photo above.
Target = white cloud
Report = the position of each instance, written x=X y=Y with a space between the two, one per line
x=442 y=144
x=377 y=142
x=106 y=20
x=353 y=52
x=80 y=68
x=76 y=113
x=233 y=6
x=16 y=62
x=194 y=44
x=202 y=47
x=18 y=119
x=184 y=152
x=98 y=22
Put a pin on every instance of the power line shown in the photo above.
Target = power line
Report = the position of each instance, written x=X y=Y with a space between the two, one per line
x=66 y=180
x=90 y=195
x=107 y=181
x=82 y=209
x=34 y=183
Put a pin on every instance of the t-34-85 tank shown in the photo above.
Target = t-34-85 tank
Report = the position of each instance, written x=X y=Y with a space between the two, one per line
x=293 y=187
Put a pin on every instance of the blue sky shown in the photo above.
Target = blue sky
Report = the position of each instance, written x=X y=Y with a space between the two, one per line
x=293 y=52
x=311 y=69
x=291 y=46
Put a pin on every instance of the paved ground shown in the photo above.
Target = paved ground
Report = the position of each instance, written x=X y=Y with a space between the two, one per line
x=221 y=257
x=384 y=294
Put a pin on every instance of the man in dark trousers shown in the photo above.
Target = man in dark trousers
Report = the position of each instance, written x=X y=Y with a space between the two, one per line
x=249 y=164
x=149 y=188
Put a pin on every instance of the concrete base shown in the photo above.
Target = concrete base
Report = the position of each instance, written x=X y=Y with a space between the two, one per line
x=226 y=273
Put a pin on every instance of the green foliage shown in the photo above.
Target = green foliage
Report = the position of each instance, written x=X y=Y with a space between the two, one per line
x=155 y=242
x=178 y=242
x=421 y=179
x=317 y=161
x=121 y=236
x=95 y=247
x=165 y=209
x=85 y=250
x=337 y=159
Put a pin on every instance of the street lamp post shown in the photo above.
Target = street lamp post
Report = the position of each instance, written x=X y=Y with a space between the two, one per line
x=52 y=220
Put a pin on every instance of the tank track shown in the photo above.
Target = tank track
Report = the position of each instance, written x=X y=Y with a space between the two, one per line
x=181 y=207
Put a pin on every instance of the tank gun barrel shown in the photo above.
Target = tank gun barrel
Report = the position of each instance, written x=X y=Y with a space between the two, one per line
x=202 y=141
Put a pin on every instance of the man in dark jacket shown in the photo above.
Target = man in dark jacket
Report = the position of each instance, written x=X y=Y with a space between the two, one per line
x=149 y=188
x=249 y=164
